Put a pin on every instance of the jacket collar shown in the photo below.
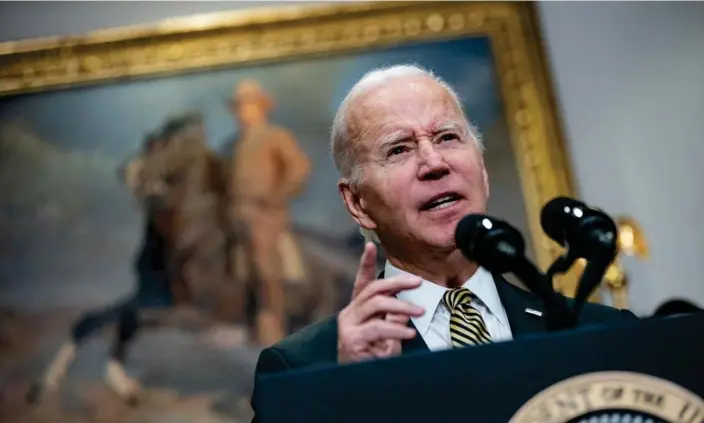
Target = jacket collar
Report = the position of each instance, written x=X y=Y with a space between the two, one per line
x=414 y=344
x=516 y=302
x=429 y=295
x=523 y=309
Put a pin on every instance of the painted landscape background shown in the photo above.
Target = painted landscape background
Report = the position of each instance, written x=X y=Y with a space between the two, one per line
x=69 y=230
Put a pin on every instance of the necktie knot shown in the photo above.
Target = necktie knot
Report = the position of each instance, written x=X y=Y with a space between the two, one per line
x=466 y=323
x=454 y=298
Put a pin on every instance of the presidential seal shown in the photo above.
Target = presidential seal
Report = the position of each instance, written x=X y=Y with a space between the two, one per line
x=613 y=397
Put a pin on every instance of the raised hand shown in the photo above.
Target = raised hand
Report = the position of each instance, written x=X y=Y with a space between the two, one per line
x=374 y=323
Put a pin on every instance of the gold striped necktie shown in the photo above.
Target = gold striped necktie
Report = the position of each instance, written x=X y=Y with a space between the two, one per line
x=466 y=324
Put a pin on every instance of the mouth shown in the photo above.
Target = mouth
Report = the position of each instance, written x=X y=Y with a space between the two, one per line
x=441 y=201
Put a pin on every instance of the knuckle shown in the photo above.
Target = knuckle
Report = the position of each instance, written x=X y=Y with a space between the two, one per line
x=376 y=302
x=376 y=325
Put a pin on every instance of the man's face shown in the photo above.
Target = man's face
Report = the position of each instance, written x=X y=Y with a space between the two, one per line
x=250 y=113
x=421 y=171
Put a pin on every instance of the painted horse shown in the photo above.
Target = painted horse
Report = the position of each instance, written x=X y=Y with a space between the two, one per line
x=184 y=269
x=195 y=268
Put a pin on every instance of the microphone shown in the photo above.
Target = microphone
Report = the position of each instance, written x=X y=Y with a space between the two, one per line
x=499 y=247
x=492 y=243
x=584 y=232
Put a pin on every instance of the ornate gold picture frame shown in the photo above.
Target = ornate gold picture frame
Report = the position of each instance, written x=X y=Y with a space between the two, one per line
x=257 y=37
x=74 y=110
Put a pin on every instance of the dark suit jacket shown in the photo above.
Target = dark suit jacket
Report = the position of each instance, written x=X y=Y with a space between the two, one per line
x=317 y=344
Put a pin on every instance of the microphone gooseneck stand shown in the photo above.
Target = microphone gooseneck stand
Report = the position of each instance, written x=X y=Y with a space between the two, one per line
x=585 y=232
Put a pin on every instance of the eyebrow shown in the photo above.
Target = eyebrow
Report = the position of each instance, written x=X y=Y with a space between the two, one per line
x=401 y=136
x=393 y=139
x=451 y=126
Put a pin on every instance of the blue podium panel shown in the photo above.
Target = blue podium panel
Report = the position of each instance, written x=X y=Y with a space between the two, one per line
x=648 y=369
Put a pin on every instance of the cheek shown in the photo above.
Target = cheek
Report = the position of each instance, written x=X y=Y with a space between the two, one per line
x=470 y=167
x=398 y=191
x=390 y=195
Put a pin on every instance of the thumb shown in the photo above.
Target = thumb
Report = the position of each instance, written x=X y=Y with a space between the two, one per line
x=366 y=270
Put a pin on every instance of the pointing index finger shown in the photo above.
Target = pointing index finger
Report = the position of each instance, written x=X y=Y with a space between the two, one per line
x=367 y=269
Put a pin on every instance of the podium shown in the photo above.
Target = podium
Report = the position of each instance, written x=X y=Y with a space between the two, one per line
x=646 y=371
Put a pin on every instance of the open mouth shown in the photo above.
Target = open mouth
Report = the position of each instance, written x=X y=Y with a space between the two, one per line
x=441 y=201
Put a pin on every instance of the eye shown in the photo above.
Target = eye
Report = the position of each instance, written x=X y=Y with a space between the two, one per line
x=448 y=137
x=399 y=149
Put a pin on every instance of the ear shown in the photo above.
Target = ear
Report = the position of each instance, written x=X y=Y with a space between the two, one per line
x=355 y=204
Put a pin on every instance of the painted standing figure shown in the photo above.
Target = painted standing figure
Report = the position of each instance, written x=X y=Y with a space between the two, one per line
x=269 y=169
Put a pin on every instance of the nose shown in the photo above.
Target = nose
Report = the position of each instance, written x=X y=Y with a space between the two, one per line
x=432 y=163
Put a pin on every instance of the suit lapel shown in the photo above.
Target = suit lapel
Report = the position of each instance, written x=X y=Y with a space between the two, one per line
x=516 y=301
x=414 y=344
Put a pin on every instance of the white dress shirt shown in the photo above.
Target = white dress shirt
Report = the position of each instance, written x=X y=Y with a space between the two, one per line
x=434 y=325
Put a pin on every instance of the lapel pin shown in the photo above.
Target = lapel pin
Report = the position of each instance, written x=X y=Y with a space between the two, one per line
x=534 y=312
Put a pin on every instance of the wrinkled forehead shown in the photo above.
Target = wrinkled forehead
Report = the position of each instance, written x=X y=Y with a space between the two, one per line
x=407 y=105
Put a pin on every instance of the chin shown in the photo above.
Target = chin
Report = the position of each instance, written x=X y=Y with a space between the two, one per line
x=441 y=238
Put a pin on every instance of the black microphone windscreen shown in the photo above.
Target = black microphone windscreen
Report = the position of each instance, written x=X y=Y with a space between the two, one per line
x=468 y=229
x=555 y=216
x=493 y=243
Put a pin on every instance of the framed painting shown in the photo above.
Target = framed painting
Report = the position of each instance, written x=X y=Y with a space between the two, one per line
x=77 y=116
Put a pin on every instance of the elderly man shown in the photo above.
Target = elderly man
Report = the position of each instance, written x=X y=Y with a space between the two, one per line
x=411 y=168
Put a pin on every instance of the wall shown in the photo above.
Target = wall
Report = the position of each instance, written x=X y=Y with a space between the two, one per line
x=630 y=84
x=630 y=81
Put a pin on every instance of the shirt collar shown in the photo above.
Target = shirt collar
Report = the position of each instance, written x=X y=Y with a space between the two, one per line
x=429 y=295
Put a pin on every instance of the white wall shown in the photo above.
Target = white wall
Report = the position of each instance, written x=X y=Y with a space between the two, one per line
x=630 y=80
x=630 y=83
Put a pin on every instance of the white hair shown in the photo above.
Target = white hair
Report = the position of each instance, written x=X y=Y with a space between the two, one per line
x=341 y=138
